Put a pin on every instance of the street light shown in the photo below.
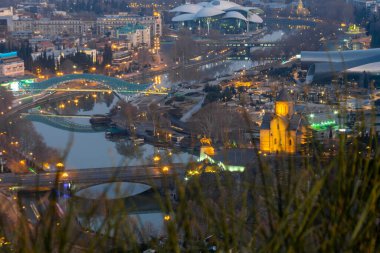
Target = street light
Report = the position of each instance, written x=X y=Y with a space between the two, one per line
x=64 y=175
x=59 y=165
x=156 y=158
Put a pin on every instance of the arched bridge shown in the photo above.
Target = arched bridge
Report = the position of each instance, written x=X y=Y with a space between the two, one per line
x=62 y=123
x=113 y=83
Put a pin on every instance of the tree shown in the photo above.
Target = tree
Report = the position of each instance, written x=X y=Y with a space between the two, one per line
x=6 y=99
x=335 y=11
x=227 y=94
x=107 y=55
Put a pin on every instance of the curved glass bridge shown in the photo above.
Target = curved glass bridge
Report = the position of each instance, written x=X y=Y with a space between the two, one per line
x=112 y=83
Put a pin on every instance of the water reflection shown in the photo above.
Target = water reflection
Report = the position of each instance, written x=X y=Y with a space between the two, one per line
x=92 y=149
x=114 y=190
x=139 y=215
x=199 y=74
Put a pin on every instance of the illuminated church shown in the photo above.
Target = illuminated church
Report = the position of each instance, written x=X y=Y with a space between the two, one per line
x=301 y=10
x=285 y=130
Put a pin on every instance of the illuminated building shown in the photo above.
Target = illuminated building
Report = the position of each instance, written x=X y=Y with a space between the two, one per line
x=11 y=65
x=284 y=130
x=101 y=26
x=137 y=34
x=111 y=22
x=225 y=15
x=233 y=160
x=206 y=148
x=121 y=55
x=16 y=84
x=301 y=10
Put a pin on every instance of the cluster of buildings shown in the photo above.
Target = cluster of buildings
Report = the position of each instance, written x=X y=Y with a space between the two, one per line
x=60 y=35
x=368 y=6
x=19 y=25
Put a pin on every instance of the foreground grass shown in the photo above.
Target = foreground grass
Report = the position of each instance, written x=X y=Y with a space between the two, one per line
x=280 y=204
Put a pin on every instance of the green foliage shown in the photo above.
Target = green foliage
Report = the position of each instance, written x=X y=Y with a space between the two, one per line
x=281 y=204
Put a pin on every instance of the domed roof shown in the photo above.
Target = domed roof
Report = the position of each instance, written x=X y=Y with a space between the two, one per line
x=235 y=15
x=208 y=12
x=184 y=17
x=187 y=8
x=255 y=18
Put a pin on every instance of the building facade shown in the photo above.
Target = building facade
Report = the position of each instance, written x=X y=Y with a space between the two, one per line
x=108 y=23
x=283 y=131
x=11 y=65
x=137 y=34
x=53 y=27
x=101 y=26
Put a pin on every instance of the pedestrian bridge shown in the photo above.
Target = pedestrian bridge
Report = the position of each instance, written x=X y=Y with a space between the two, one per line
x=112 y=83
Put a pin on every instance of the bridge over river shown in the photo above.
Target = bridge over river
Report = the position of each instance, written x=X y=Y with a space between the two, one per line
x=114 y=84
x=148 y=174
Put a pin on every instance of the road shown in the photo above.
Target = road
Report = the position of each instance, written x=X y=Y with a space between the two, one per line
x=151 y=73
x=93 y=176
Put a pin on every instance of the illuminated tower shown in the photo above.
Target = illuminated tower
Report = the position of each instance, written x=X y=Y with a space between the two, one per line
x=301 y=10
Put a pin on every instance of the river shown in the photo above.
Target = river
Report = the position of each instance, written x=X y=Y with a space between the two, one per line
x=94 y=150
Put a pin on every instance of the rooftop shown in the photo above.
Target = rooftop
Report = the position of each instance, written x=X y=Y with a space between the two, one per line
x=130 y=28
x=284 y=96
x=8 y=55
